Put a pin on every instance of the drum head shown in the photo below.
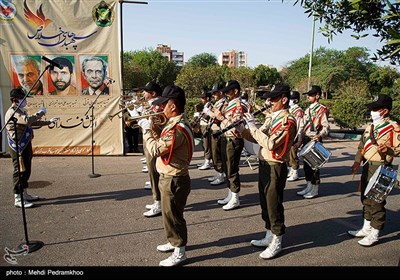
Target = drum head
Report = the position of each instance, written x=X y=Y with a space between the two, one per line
x=373 y=180
x=307 y=147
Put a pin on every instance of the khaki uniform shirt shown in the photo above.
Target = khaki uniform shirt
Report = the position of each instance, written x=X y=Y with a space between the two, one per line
x=174 y=147
x=234 y=112
x=275 y=136
x=297 y=112
x=204 y=118
x=387 y=132
x=316 y=118
x=23 y=121
x=218 y=106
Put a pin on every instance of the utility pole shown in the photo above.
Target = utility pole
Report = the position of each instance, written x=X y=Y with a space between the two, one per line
x=311 y=52
x=122 y=36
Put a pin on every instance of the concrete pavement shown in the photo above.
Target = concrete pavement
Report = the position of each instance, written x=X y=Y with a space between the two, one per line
x=99 y=222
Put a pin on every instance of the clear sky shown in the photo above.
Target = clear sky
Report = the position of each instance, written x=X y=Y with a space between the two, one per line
x=270 y=32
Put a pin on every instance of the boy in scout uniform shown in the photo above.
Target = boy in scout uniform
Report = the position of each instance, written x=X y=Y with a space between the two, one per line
x=174 y=150
x=213 y=126
x=296 y=111
x=378 y=145
x=275 y=138
x=232 y=142
x=316 y=127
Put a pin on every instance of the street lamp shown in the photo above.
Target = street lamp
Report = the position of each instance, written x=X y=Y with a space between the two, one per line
x=311 y=52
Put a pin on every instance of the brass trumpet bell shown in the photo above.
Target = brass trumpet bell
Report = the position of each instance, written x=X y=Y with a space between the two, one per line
x=158 y=118
x=129 y=105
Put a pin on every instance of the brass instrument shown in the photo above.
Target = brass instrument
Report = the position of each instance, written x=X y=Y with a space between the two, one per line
x=158 y=118
x=132 y=105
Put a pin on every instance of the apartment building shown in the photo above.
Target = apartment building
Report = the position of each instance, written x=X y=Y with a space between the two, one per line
x=172 y=55
x=233 y=58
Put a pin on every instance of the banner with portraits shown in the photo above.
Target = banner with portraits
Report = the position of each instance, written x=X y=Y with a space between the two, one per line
x=66 y=54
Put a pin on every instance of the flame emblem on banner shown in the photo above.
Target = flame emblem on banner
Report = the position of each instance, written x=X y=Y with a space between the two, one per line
x=36 y=20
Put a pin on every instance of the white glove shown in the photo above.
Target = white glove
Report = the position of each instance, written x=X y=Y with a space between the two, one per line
x=250 y=120
x=207 y=111
x=140 y=109
x=133 y=112
x=55 y=119
x=43 y=110
x=145 y=124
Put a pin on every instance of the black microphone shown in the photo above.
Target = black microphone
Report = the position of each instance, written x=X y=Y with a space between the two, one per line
x=110 y=80
x=53 y=63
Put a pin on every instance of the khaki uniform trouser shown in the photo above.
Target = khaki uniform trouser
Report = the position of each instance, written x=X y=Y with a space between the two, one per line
x=372 y=210
x=153 y=174
x=271 y=183
x=206 y=143
x=216 y=153
x=231 y=149
x=293 y=159
x=26 y=156
x=174 y=193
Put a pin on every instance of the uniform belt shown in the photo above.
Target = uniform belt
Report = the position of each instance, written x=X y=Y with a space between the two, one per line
x=264 y=162
x=229 y=137
x=374 y=163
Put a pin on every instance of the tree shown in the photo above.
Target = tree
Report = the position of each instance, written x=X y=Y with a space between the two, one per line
x=382 y=17
x=195 y=79
x=202 y=60
x=330 y=69
x=143 y=66
x=354 y=89
x=383 y=80
x=263 y=75
x=244 y=75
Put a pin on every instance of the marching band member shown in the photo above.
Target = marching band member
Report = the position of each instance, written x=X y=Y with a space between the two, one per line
x=151 y=92
x=232 y=142
x=275 y=138
x=212 y=127
x=204 y=118
x=316 y=126
x=22 y=158
x=296 y=111
x=378 y=145
x=174 y=150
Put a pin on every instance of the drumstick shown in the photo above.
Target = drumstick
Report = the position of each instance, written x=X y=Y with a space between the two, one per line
x=365 y=162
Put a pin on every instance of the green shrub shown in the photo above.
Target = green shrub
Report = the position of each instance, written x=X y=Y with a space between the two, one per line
x=191 y=105
x=395 y=112
x=350 y=113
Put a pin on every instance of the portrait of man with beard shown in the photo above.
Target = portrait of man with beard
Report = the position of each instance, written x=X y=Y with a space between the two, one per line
x=62 y=78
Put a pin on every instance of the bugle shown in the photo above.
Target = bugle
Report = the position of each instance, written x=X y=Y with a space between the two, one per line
x=129 y=105
x=158 y=118
x=232 y=125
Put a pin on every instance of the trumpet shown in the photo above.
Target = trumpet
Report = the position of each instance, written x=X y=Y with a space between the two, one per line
x=131 y=105
x=158 y=118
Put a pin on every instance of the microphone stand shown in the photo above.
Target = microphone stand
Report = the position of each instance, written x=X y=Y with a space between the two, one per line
x=91 y=107
x=27 y=246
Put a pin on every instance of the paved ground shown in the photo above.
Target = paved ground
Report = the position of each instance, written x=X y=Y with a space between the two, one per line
x=99 y=222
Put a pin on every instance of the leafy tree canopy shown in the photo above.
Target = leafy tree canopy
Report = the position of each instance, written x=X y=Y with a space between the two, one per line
x=381 y=17
x=202 y=60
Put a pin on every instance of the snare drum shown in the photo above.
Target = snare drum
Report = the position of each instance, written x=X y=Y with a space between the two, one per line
x=315 y=154
x=381 y=183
